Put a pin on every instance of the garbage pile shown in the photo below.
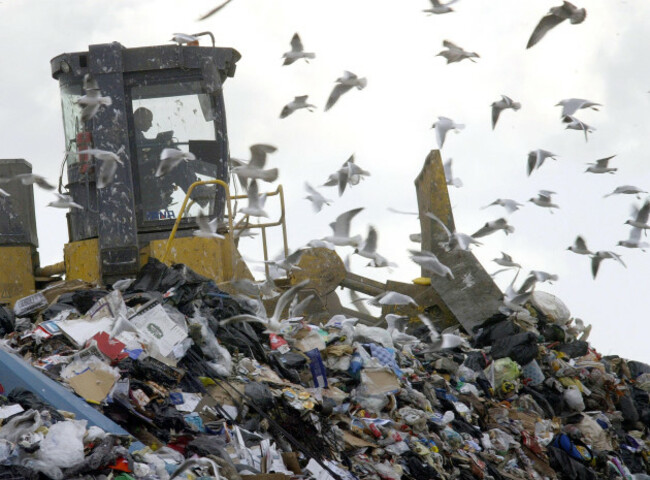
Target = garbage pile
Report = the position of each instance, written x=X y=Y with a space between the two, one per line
x=204 y=395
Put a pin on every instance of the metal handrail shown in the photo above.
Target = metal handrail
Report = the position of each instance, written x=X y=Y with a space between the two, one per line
x=182 y=210
x=263 y=226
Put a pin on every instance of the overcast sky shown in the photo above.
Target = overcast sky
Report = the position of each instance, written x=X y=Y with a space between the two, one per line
x=387 y=125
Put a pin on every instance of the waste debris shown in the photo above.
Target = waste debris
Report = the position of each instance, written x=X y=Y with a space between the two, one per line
x=523 y=396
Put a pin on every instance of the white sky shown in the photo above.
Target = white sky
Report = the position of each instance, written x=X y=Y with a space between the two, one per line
x=387 y=125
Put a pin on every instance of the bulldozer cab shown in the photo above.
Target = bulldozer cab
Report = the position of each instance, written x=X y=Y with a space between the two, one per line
x=162 y=97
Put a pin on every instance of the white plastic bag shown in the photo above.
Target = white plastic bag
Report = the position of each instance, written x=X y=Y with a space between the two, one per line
x=63 y=445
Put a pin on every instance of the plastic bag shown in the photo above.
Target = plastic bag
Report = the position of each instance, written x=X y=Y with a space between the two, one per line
x=21 y=425
x=63 y=445
x=502 y=370
x=573 y=399
x=373 y=334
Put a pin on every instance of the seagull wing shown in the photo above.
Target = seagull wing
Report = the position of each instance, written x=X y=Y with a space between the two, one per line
x=214 y=10
x=338 y=90
x=341 y=226
x=296 y=44
x=258 y=154
x=642 y=215
x=580 y=243
x=436 y=219
x=602 y=163
x=371 y=241
x=286 y=298
x=496 y=111
x=545 y=24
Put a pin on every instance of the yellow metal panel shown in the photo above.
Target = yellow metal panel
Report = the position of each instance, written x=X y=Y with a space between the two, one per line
x=16 y=273
x=82 y=261
x=210 y=257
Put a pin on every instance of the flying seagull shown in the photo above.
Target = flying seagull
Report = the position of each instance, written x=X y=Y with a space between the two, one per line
x=567 y=11
x=31 y=179
x=571 y=105
x=506 y=261
x=92 y=100
x=63 y=201
x=256 y=202
x=442 y=126
x=296 y=104
x=455 y=54
x=634 y=240
x=297 y=52
x=391 y=298
x=601 y=166
x=640 y=216
x=601 y=255
x=455 y=240
x=451 y=180
x=344 y=84
x=368 y=249
x=273 y=323
x=170 y=158
x=507 y=203
x=207 y=228
x=543 y=199
x=577 y=124
x=316 y=198
x=255 y=167
x=349 y=173
x=626 y=190
x=438 y=8
x=536 y=159
x=493 y=226
x=341 y=230
x=430 y=263
x=580 y=247
x=108 y=166
x=500 y=105
x=441 y=341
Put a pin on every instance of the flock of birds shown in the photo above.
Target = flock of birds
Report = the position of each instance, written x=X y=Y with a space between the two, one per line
x=254 y=170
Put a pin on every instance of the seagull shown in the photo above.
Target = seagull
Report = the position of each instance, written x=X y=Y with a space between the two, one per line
x=288 y=264
x=442 y=126
x=4 y=194
x=92 y=100
x=255 y=167
x=430 y=263
x=272 y=324
x=298 y=308
x=580 y=247
x=493 y=226
x=441 y=341
x=297 y=52
x=506 y=261
x=439 y=8
x=634 y=240
x=265 y=289
x=536 y=159
x=571 y=105
x=368 y=249
x=350 y=173
x=345 y=83
x=64 y=201
x=296 y=104
x=170 y=158
x=507 y=203
x=341 y=230
x=576 y=124
x=600 y=166
x=182 y=38
x=640 y=215
x=108 y=167
x=455 y=54
x=456 y=240
x=391 y=298
x=396 y=331
x=214 y=10
x=554 y=17
x=601 y=255
x=500 y=105
x=207 y=229
x=256 y=202
x=456 y=182
x=513 y=300
x=626 y=190
x=537 y=276
x=31 y=179
x=314 y=196
x=544 y=199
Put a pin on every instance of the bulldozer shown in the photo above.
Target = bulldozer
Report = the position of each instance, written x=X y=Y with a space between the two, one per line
x=171 y=96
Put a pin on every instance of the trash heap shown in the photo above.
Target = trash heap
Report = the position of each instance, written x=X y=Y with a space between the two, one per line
x=202 y=397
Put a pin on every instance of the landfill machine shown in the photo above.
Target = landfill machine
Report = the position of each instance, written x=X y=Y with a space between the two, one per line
x=170 y=96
